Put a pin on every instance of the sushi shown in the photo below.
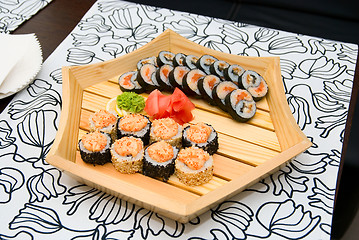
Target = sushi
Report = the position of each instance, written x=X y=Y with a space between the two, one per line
x=217 y=68
x=175 y=77
x=168 y=130
x=145 y=79
x=162 y=77
x=204 y=63
x=128 y=82
x=165 y=57
x=95 y=148
x=206 y=85
x=233 y=73
x=201 y=135
x=240 y=105
x=104 y=121
x=194 y=166
x=190 y=61
x=159 y=160
x=127 y=154
x=220 y=91
x=136 y=125
x=254 y=84
x=151 y=60
x=189 y=82
x=179 y=59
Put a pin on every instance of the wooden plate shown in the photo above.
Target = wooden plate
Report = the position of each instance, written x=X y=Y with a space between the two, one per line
x=248 y=151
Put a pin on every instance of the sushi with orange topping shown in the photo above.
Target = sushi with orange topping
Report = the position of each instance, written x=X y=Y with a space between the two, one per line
x=95 y=148
x=201 y=135
x=127 y=155
x=168 y=130
x=159 y=160
x=194 y=166
x=136 y=125
x=104 y=121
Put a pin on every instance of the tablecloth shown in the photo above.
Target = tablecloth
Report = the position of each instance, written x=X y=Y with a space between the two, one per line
x=38 y=201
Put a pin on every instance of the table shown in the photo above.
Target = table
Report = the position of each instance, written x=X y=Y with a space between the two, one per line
x=304 y=189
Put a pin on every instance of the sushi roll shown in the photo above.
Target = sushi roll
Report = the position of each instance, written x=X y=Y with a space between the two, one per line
x=220 y=92
x=168 y=130
x=204 y=63
x=194 y=166
x=217 y=68
x=233 y=73
x=159 y=160
x=206 y=85
x=104 y=121
x=136 y=125
x=201 y=135
x=190 y=61
x=189 y=82
x=95 y=148
x=179 y=59
x=162 y=77
x=145 y=79
x=151 y=60
x=127 y=154
x=240 y=105
x=176 y=75
x=254 y=84
x=128 y=82
x=165 y=57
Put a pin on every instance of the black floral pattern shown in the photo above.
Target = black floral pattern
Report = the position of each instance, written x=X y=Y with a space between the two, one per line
x=296 y=202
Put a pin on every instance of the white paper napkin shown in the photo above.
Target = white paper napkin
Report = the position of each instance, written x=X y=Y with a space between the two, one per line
x=20 y=61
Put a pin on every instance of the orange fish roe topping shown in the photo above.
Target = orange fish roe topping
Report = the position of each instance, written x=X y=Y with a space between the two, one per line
x=193 y=157
x=133 y=122
x=165 y=128
x=103 y=119
x=160 y=151
x=126 y=146
x=94 y=141
x=199 y=133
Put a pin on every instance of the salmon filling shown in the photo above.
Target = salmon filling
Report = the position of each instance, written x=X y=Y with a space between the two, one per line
x=127 y=146
x=165 y=128
x=199 y=133
x=160 y=151
x=94 y=141
x=103 y=119
x=194 y=158
x=133 y=122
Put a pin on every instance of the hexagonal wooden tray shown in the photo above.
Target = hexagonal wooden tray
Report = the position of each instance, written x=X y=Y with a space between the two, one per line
x=248 y=151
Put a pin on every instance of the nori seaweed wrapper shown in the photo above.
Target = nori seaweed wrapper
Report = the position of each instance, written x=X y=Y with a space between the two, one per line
x=210 y=146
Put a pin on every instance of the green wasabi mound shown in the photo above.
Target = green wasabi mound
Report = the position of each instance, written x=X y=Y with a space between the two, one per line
x=130 y=101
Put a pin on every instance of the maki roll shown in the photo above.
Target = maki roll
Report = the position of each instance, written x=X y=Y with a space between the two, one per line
x=162 y=77
x=189 y=82
x=206 y=85
x=104 y=121
x=217 y=68
x=194 y=166
x=151 y=60
x=201 y=135
x=179 y=59
x=159 y=160
x=240 y=105
x=190 y=61
x=176 y=75
x=145 y=79
x=233 y=73
x=95 y=148
x=204 y=63
x=128 y=82
x=136 y=125
x=254 y=84
x=168 y=130
x=220 y=91
x=165 y=57
x=127 y=155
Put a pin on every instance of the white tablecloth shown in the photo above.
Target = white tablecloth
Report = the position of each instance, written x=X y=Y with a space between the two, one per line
x=38 y=201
